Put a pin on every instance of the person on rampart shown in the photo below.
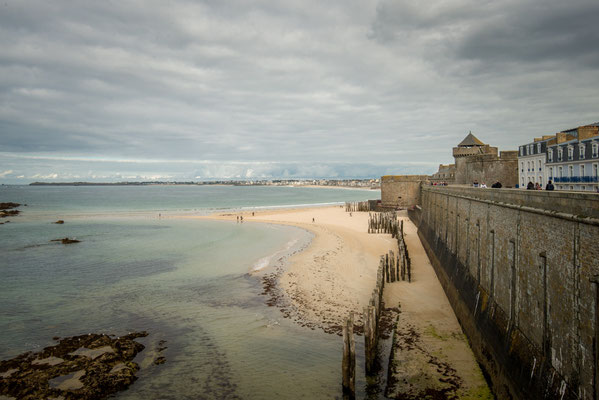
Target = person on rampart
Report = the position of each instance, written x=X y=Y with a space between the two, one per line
x=530 y=186
x=549 y=186
x=497 y=185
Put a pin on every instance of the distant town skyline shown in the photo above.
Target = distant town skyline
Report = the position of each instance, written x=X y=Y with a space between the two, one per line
x=102 y=91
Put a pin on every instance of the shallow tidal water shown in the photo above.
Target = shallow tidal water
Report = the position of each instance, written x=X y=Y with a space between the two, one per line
x=187 y=282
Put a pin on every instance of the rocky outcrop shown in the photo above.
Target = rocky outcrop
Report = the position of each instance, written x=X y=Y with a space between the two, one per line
x=8 y=209
x=66 y=240
x=91 y=366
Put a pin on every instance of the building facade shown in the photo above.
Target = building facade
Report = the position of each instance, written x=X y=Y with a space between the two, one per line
x=445 y=174
x=573 y=159
x=531 y=162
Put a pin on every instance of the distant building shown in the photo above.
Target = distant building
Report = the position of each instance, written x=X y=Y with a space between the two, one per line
x=446 y=173
x=573 y=159
x=477 y=161
x=531 y=161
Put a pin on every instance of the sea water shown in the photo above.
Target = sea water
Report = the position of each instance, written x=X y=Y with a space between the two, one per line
x=192 y=283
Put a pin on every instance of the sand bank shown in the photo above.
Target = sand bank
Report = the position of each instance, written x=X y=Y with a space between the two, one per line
x=335 y=275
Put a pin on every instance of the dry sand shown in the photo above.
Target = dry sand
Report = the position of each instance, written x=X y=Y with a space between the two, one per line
x=335 y=275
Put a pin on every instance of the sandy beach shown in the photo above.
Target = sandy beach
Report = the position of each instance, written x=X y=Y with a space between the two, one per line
x=335 y=275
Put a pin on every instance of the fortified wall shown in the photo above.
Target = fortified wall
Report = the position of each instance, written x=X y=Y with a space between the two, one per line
x=520 y=269
x=489 y=168
x=401 y=190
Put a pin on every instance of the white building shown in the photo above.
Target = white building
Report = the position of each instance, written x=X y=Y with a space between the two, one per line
x=531 y=162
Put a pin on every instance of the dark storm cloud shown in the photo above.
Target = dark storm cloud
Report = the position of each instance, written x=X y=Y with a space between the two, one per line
x=269 y=88
x=534 y=32
x=529 y=31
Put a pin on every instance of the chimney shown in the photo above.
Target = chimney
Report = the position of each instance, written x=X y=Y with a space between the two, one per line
x=585 y=132
x=561 y=137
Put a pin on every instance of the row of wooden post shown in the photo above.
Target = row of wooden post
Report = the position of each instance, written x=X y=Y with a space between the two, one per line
x=391 y=268
x=356 y=206
x=398 y=267
x=385 y=222
x=371 y=328
x=404 y=256
x=372 y=314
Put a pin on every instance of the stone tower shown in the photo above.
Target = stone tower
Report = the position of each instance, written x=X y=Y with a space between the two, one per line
x=470 y=146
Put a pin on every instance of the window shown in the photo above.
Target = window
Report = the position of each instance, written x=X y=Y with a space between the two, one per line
x=570 y=171
x=522 y=166
x=551 y=173
x=539 y=163
x=539 y=148
x=596 y=170
x=581 y=152
x=595 y=149
x=521 y=150
x=582 y=170
x=560 y=154
x=561 y=172
x=570 y=153
x=550 y=155
x=528 y=165
x=540 y=180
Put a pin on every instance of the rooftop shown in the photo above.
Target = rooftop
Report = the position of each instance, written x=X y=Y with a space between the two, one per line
x=470 y=141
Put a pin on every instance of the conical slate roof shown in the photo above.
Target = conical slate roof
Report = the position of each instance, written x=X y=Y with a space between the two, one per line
x=470 y=141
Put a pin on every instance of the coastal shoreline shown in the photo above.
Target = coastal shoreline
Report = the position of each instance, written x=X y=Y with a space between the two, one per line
x=333 y=276
x=328 y=279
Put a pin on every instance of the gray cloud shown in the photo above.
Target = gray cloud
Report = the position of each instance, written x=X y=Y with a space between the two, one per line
x=303 y=87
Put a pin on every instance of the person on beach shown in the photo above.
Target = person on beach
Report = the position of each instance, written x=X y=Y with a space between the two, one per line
x=238 y=219
x=312 y=219
x=241 y=218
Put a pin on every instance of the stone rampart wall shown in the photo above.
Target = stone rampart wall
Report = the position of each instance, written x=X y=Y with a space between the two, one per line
x=401 y=190
x=518 y=269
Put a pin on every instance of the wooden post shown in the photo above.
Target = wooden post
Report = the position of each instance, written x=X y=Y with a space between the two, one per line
x=409 y=263
x=392 y=265
x=369 y=338
x=387 y=267
x=348 y=365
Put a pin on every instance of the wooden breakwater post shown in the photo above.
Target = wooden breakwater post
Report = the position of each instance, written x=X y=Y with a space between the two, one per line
x=348 y=364
x=404 y=257
x=372 y=314
x=358 y=206
x=383 y=222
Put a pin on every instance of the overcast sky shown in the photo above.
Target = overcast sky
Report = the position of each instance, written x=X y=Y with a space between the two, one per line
x=128 y=90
